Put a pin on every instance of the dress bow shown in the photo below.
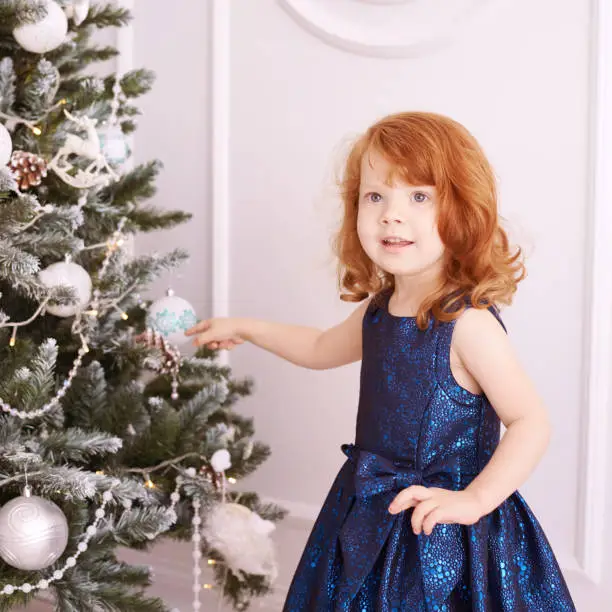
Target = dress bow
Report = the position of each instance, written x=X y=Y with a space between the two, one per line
x=369 y=524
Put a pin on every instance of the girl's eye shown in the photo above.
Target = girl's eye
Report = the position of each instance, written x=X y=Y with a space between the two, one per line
x=374 y=197
x=420 y=197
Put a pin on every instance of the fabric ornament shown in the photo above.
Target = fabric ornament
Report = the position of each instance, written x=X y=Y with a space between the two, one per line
x=242 y=537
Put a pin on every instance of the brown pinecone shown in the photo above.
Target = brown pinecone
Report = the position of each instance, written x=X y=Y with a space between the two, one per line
x=27 y=168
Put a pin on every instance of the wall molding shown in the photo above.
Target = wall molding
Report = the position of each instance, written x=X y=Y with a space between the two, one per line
x=219 y=159
x=590 y=552
x=346 y=25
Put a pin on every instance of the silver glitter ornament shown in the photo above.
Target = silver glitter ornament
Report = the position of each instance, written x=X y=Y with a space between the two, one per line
x=33 y=532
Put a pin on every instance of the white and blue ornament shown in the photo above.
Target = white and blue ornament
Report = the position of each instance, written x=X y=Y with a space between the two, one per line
x=172 y=316
x=113 y=144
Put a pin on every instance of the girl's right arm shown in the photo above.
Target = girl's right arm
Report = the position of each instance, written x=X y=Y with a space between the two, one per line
x=304 y=346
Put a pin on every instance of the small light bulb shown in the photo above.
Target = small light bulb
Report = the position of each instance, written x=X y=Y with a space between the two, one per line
x=231 y=480
x=212 y=562
x=100 y=472
x=149 y=484
x=93 y=313
x=37 y=131
x=207 y=586
x=63 y=101
x=13 y=337
x=124 y=316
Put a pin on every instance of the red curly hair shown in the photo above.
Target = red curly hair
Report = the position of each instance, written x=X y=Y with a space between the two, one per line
x=431 y=149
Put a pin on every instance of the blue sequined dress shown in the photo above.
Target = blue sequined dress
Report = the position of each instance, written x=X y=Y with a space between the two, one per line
x=416 y=425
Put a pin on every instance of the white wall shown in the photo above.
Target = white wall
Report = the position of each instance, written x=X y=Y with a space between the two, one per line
x=294 y=99
x=517 y=77
x=174 y=129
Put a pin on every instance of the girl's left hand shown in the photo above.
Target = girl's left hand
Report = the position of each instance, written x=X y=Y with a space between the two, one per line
x=433 y=505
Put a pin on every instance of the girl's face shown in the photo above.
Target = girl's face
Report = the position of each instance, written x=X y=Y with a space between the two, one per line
x=397 y=224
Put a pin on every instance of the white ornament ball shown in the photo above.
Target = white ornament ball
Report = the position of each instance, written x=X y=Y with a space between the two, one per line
x=171 y=316
x=221 y=460
x=45 y=35
x=33 y=532
x=113 y=144
x=67 y=273
x=6 y=146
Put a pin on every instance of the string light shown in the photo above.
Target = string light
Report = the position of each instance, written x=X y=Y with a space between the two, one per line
x=123 y=314
x=36 y=130
x=212 y=562
x=231 y=480
x=13 y=337
x=149 y=484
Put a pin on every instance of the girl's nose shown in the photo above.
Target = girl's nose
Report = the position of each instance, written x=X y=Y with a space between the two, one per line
x=391 y=215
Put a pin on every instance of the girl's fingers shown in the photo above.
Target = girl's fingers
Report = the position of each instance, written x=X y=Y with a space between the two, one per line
x=421 y=512
x=198 y=328
x=431 y=520
x=409 y=497
x=200 y=340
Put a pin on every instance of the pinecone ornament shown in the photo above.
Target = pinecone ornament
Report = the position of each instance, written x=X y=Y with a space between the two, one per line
x=27 y=168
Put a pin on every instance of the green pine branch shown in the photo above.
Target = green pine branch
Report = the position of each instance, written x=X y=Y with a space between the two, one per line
x=77 y=446
x=151 y=218
x=107 y=15
x=20 y=12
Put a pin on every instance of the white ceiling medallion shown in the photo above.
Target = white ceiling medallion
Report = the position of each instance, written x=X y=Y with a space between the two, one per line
x=384 y=28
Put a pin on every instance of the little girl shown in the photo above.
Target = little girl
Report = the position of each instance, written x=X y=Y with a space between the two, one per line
x=425 y=514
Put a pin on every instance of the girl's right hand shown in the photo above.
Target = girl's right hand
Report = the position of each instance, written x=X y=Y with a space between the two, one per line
x=217 y=333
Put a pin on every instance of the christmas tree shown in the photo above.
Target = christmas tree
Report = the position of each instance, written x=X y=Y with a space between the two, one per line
x=109 y=436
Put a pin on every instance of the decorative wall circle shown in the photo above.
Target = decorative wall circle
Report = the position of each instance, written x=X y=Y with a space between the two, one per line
x=384 y=28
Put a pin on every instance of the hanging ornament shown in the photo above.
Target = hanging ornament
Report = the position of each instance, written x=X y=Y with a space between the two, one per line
x=243 y=538
x=77 y=11
x=33 y=532
x=172 y=316
x=113 y=144
x=171 y=357
x=45 y=35
x=98 y=172
x=221 y=460
x=6 y=145
x=67 y=273
x=28 y=169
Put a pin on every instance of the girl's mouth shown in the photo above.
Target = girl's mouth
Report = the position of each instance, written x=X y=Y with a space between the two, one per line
x=394 y=244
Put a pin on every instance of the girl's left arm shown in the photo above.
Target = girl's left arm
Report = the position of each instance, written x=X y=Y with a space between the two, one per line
x=485 y=350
